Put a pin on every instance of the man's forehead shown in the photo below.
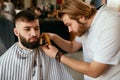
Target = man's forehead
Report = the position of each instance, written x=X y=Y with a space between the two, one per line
x=27 y=23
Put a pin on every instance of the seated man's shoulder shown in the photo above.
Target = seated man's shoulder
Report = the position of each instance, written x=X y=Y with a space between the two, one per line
x=8 y=53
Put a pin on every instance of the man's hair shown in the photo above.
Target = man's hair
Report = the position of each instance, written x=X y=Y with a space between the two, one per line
x=25 y=16
x=76 y=8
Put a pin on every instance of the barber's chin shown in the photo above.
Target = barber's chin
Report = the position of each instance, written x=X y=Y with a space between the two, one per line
x=79 y=35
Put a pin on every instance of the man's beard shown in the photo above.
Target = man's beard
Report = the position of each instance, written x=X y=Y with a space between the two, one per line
x=28 y=44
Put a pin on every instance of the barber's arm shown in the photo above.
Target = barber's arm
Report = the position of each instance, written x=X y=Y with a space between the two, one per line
x=68 y=46
x=93 y=69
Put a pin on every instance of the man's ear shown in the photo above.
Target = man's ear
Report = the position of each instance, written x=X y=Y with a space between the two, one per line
x=16 y=31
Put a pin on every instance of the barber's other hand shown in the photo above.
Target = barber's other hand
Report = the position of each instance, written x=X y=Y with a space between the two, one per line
x=50 y=50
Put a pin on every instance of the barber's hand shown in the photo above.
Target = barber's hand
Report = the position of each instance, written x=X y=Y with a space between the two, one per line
x=50 y=50
x=50 y=35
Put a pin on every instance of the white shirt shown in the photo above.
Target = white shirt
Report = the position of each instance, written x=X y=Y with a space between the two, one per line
x=102 y=43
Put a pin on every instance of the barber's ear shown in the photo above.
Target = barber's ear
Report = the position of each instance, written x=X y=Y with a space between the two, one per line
x=82 y=19
x=16 y=31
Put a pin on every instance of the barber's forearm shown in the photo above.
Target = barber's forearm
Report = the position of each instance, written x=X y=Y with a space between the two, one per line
x=92 y=69
x=62 y=43
x=74 y=64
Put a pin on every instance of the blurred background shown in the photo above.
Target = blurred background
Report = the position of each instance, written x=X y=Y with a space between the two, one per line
x=47 y=11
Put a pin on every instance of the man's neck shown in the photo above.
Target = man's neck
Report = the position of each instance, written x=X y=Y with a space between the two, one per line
x=24 y=47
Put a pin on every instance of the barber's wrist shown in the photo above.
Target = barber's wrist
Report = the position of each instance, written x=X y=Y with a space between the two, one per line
x=53 y=36
x=58 y=56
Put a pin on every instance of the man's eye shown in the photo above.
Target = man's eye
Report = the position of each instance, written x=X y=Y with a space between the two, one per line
x=37 y=28
x=26 y=29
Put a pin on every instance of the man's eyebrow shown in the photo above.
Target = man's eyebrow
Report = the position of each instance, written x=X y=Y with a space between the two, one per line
x=30 y=26
x=38 y=26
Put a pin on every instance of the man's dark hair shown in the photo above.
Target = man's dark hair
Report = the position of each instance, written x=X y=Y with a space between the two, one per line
x=25 y=15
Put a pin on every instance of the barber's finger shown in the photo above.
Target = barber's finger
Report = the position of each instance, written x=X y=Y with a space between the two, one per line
x=44 y=47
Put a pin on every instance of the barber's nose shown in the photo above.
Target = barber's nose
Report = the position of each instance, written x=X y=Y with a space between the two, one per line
x=70 y=30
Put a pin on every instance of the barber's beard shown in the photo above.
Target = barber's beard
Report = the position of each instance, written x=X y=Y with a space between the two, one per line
x=82 y=29
x=28 y=44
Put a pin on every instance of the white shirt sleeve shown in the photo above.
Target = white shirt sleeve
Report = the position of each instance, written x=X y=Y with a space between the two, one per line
x=108 y=49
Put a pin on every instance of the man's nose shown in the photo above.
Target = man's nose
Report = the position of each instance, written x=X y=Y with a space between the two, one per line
x=33 y=32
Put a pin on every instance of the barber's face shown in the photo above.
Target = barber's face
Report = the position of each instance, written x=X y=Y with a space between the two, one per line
x=77 y=27
x=28 y=33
